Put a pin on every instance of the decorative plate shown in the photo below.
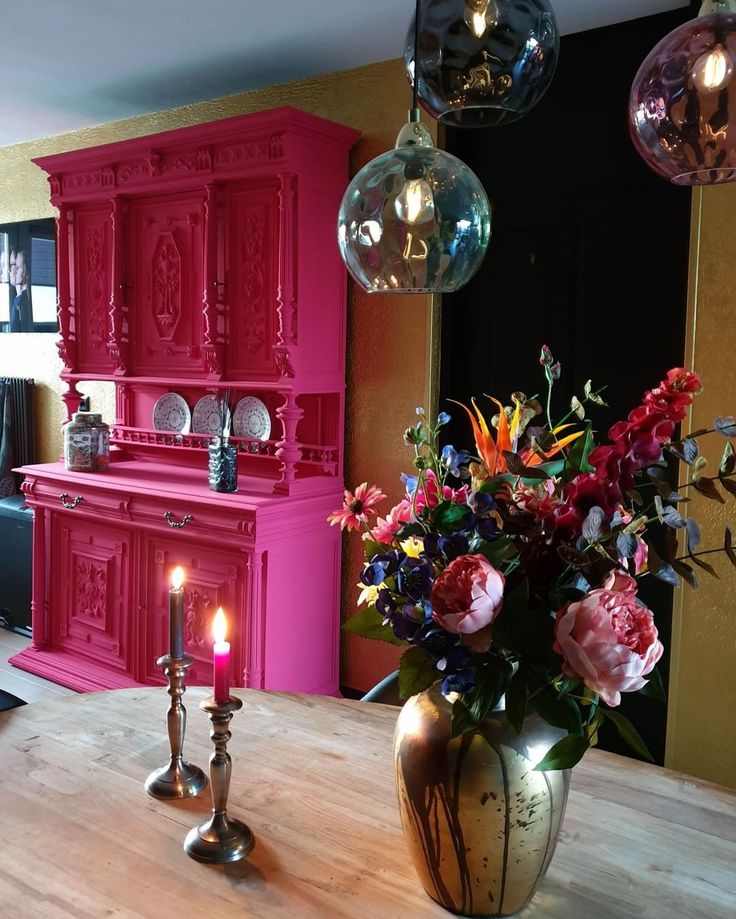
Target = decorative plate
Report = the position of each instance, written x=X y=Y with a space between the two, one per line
x=206 y=416
x=171 y=413
x=251 y=419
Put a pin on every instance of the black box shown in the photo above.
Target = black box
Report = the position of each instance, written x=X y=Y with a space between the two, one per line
x=16 y=539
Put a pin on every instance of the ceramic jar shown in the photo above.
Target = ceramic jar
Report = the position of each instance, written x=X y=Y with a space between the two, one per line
x=87 y=443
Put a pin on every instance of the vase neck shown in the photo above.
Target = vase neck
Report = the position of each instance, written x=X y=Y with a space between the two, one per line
x=717 y=6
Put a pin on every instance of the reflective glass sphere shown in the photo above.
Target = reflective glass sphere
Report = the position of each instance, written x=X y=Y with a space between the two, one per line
x=483 y=62
x=414 y=220
x=682 y=108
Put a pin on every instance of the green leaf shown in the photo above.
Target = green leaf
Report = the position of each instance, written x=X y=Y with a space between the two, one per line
x=371 y=548
x=449 y=517
x=417 y=672
x=728 y=460
x=728 y=545
x=516 y=701
x=654 y=687
x=628 y=733
x=491 y=683
x=560 y=713
x=698 y=467
x=369 y=624
x=578 y=453
x=636 y=524
x=565 y=754
x=576 y=406
x=667 y=574
x=498 y=551
x=693 y=535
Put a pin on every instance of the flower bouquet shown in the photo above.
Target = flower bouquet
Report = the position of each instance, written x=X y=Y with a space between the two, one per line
x=511 y=571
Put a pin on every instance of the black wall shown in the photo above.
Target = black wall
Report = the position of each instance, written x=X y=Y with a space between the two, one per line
x=589 y=255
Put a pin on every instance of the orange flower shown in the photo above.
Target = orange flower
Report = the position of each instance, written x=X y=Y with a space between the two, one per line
x=492 y=452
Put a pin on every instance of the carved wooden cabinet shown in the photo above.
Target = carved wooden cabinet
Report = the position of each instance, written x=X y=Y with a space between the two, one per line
x=195 y=261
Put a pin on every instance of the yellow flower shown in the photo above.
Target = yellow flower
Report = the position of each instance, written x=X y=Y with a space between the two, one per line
x=413 y=546
x=368 y=594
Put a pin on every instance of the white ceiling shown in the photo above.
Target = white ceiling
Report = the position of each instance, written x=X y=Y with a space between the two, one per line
x=68 y=64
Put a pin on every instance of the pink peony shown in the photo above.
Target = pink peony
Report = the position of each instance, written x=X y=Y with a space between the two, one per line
x=387 y=527
x=466 y=598
x=608 y=639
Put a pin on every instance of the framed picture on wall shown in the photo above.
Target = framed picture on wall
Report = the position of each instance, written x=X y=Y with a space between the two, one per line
x=28 y=276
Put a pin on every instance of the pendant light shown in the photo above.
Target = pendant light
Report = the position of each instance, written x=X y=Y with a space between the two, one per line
x=483 y=62
x=415 y=219
x=682 y=108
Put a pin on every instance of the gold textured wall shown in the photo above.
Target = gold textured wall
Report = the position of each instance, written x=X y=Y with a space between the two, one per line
x=701 y=732
x=388 y=337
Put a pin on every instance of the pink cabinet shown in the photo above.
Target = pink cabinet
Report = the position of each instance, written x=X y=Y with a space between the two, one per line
x=195 y=261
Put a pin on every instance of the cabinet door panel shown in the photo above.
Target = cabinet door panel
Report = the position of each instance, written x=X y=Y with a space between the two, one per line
x=251 y=270
x=91 y=593
x=91 y=288
x=213 y=578
x=164 y=272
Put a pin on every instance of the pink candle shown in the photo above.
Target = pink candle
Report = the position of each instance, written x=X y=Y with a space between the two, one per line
x=221 y=651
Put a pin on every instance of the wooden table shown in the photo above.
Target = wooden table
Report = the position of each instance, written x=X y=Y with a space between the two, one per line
x=313 y=777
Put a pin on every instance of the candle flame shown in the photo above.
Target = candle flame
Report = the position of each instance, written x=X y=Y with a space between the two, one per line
x=219 y=626
x=177 y=578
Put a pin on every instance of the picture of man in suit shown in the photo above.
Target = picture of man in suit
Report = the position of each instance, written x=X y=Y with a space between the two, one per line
x=21 y=318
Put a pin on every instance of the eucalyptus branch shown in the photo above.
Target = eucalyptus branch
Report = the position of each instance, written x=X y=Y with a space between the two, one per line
x=585 y=399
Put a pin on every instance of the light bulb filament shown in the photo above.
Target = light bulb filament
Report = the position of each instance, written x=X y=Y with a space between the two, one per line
x=713 y=70
x=415 y=202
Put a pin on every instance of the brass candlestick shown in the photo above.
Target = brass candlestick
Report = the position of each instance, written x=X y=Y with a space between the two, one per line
x=220 y=839
x=178 y=779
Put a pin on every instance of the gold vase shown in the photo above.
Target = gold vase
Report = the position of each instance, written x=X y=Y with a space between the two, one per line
x=480 y=823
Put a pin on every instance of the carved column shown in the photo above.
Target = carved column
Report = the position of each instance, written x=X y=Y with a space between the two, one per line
x=122 y=404
x=71 y=399
x=116 y=344
x=288 y=450
x=253 y=674
x=65 y=269
x=213 y=351
x=286 y=293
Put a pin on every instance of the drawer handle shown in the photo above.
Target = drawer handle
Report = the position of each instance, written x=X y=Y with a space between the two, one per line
x=70 y=505
x=169 y=518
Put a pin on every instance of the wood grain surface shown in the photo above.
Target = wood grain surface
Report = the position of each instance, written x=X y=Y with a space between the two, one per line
x=312 y=777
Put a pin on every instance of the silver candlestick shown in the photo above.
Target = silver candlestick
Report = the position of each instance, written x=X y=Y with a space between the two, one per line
x=178 y=779
x=220 y=839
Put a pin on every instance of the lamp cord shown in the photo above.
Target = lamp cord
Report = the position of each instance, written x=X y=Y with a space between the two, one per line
x=415 y=81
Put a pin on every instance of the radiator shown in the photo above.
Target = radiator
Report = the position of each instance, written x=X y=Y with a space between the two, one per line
x=22 y=439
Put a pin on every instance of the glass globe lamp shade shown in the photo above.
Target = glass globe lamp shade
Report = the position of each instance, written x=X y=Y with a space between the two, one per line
x=482 y=63
x=682 y=107
x=414 y=219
